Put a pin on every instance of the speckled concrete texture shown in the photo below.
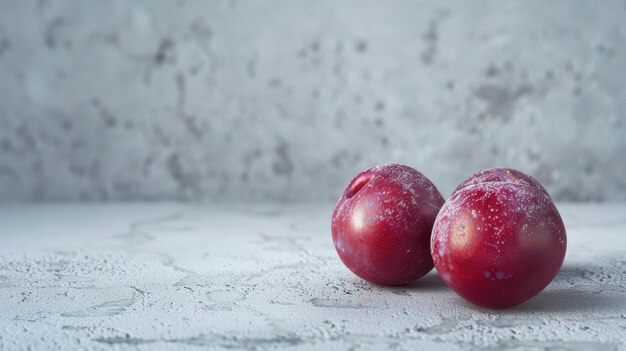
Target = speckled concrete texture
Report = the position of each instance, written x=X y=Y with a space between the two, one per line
x=171 y=277
x=285 y=100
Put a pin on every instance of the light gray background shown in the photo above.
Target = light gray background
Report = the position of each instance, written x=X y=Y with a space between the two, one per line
x=287 y=100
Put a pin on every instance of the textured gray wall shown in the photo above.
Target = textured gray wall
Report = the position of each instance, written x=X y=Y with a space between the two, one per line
x=286 y=100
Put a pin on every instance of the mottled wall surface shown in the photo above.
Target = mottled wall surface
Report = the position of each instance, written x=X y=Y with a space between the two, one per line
x=286 y=100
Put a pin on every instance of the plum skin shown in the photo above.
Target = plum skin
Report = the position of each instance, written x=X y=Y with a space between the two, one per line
x=498 y=244
x=498 y=174
x=382 y=224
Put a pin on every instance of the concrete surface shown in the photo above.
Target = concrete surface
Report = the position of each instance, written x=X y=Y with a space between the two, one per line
x=170 y=277
x=284 y=100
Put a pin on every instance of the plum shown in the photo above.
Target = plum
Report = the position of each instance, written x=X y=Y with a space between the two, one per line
x=382 y=224
x=498 y=243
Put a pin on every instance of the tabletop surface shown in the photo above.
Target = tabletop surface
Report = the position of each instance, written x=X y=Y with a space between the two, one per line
x=266 y=277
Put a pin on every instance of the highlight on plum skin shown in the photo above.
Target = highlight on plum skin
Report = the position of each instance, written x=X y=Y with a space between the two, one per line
x=507 y=175
x=498 y=244
x=382 y=223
